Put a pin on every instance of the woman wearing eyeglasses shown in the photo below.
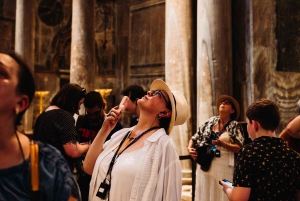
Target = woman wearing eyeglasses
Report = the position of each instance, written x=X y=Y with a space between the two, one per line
x=56 y=125
x=139 y=163
x=225 y=136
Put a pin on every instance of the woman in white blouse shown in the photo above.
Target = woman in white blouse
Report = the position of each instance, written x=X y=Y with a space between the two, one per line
x=139 y=163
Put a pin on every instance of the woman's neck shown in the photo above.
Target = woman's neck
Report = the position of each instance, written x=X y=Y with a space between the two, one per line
x=7 y=135
x=144 y=124
x=224 y=119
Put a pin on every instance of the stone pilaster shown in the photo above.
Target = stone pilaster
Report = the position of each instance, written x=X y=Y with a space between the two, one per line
x=82 y=69
x=214 y=60
x=179 y=66
x=24 y=45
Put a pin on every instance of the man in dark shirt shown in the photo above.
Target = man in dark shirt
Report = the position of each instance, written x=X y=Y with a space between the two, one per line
x=266 y=169
x=88 y=126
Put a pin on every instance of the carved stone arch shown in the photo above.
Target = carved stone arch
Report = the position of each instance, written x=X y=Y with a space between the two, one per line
x=59 y=56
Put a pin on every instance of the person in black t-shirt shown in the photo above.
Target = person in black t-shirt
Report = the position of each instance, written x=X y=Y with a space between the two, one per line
x=88 y=126
x=266 y=168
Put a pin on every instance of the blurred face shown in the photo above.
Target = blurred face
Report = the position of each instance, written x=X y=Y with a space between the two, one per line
x=226 y=106
x=94 y=113
x=8 y=83
x=130 y=106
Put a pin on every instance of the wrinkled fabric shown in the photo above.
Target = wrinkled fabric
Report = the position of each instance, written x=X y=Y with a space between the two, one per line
x=159 y=177
x=56 y=180
x=234 y=129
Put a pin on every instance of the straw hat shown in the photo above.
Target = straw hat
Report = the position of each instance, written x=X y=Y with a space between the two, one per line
x=233 y=101
x=178 y=102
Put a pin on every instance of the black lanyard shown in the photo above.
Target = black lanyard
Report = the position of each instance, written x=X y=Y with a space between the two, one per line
x=116 y=155
x=224 y=127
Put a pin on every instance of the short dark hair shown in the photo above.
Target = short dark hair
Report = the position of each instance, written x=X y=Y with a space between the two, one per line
x=265 y=112
x=93 y=99
x=68 y=97
x=25 y=84
x=134 y=92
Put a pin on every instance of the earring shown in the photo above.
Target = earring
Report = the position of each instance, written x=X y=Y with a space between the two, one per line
x=17 y=110
x=158 y=117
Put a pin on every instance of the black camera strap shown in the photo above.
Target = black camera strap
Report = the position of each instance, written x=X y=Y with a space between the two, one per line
x=116 y=155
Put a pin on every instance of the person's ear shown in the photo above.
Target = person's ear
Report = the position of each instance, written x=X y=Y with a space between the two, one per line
x=103 y=106
x=22 y=104
x=165 y=114
x=255 y=125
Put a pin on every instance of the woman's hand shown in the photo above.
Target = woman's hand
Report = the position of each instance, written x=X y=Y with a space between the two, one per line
x=193 y=152
x=96 y=147
x=112 y=118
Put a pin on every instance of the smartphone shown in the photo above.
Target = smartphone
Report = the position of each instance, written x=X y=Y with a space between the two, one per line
x=122 y=103
x=227 y=182
x=213 y=136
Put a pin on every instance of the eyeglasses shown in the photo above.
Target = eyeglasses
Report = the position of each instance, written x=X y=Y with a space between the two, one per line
x=226 y=102
x=91 y=114
x=160 y=93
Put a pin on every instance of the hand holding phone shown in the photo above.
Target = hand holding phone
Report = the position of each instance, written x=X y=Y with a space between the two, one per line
x=122 y=103
x=227 y=182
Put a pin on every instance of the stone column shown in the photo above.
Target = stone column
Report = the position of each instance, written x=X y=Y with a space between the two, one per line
x=24 y=45
x=214 y=60
x=82 y=69
x=180 y=63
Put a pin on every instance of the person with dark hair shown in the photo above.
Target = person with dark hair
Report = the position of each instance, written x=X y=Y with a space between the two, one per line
x=266 y=169
x=90 y=123
x=17 y=90
x=134 y=92
x=56 y=125
x=88 y=126
x=224 y=137
x=141 y=162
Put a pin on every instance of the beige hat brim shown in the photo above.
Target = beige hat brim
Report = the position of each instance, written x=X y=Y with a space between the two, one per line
x=178 y=102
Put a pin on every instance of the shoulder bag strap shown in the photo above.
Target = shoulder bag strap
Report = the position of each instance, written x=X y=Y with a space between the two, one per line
x=34 y=170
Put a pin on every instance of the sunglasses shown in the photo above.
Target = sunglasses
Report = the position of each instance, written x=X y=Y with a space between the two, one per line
x=160 y=93
x=226 y=102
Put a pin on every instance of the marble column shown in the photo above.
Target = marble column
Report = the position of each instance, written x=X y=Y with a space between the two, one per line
x=24 y=45
x=214 y=60
x=179 y=63
x=82 y=69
